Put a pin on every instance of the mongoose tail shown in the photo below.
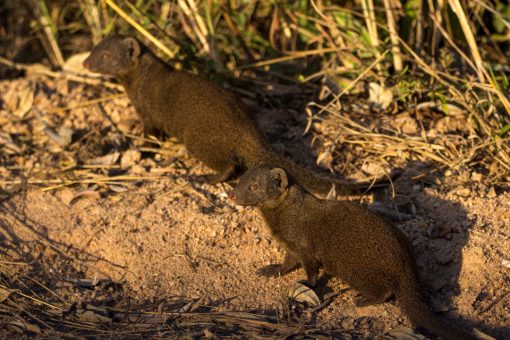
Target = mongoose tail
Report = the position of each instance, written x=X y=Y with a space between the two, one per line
x=420 y=313
x=321 y=182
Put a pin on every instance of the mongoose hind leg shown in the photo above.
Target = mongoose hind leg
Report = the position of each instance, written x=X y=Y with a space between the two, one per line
x=290 y=263
x=373 y=288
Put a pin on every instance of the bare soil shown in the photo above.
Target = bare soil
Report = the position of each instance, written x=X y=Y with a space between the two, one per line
x=166 y=235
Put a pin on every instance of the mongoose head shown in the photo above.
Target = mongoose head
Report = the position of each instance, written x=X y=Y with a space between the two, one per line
x=262 y=185
x=114 y=55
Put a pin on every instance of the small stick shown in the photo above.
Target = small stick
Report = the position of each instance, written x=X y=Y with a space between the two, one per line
x=39 y=69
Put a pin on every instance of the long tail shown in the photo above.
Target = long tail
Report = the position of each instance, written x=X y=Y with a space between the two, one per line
x=420 y=313
x=320 y=182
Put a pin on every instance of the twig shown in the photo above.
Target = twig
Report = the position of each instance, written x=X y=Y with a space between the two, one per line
x=39 y=69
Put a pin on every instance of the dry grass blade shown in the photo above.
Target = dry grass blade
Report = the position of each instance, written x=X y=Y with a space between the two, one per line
x=294 y=55
x=139 y=28
x=49 y=30
x=91 y=14
x=395 y=48
x=470 y=38
x=189 y=9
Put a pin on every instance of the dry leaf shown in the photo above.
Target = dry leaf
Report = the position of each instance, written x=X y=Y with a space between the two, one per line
x=74 y=64
x=379 y=96
x=118 y=188
x=4 y=294
x=505 y=263
x=25 y=101
x=404 y=123
x=7 y=145
x=191 y=306
x=303 y=294
x=91 y=316
x=449 y=109
x=63 y=137
x=129 y=158
x=325 y=159
x=105 y=160
x=26 y=326
x=85 y=194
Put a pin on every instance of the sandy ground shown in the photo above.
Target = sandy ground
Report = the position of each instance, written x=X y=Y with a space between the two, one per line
x=178 y=238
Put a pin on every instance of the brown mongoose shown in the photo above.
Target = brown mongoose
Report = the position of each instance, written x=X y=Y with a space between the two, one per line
x=345 y=239
x=208 y=120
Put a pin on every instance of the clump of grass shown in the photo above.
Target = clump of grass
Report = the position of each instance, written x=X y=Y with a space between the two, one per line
x=448 y=45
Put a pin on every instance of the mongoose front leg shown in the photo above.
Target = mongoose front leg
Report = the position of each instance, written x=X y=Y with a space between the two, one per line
x=311 y=267
x=290 y=263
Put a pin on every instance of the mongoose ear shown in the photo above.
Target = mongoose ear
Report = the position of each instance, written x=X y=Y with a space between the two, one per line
x=281 y=177
x=133 y=46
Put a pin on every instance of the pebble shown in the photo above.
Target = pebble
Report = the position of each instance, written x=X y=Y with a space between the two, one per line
x=491 y=193
x=464 y=192
x=477 y=177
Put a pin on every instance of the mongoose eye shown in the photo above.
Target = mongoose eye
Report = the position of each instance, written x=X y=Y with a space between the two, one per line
x=105 y=56
x=253 y=187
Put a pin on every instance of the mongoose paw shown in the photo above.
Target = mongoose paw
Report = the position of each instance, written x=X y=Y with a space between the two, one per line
x=363 y=301
x=273 y=270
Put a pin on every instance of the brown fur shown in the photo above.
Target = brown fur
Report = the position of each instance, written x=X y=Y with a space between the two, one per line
x=345 y=239
x=207 y=119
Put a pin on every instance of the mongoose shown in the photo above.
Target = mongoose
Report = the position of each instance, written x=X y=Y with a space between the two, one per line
x=345 y=239
x=208 y=120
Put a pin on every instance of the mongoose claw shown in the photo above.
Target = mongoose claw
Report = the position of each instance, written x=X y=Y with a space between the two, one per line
x=272 y=270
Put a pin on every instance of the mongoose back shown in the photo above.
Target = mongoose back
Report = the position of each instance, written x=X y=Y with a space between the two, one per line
x=345 y=239
x=205 y=118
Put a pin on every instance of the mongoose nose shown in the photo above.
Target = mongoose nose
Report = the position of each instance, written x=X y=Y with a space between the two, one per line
x=231 y=195
x=85 y=64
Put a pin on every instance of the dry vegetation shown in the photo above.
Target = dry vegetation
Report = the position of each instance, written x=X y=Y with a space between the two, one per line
x=373 y=85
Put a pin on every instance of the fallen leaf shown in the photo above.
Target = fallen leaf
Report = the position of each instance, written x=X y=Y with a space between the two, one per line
x=449 y=109
x=4 y=294
x=105 y=160
x=74 y=64
x=63 y=137
x=379 y=96
x=129 y=158
x=303 y=294
x=505 y=263
x=91 y=316
x=26 y=326
x=7 y=145
x=118 y=188
x=25 y=101
x=85 y=194
x=325 y=159
x=191 y=306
